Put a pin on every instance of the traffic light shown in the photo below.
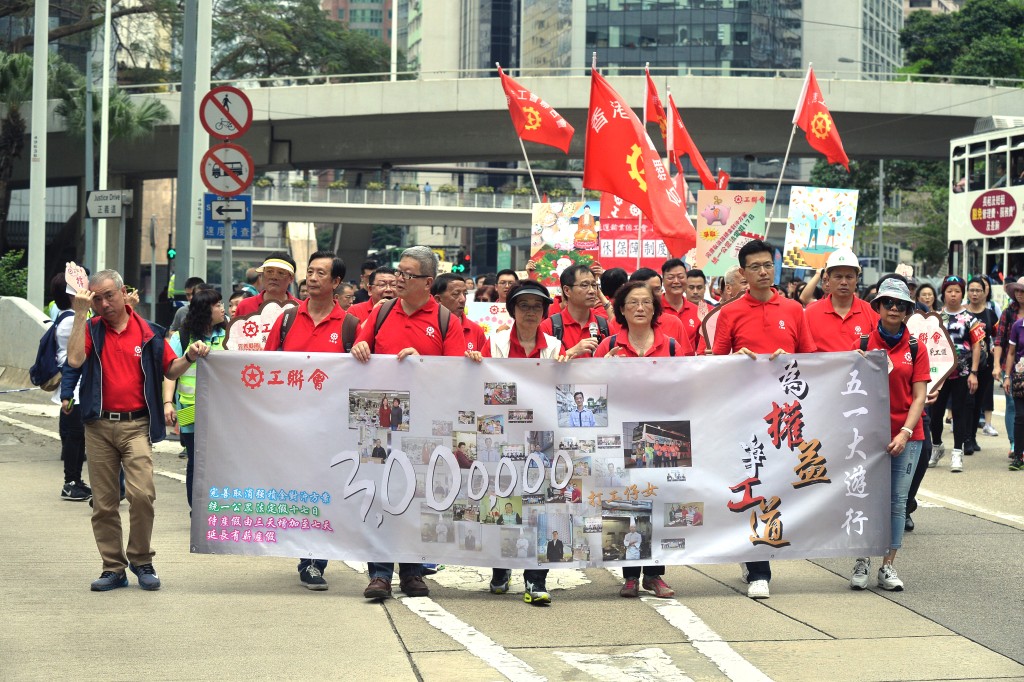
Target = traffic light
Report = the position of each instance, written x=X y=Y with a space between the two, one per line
x=171 y=252
x=458 y=267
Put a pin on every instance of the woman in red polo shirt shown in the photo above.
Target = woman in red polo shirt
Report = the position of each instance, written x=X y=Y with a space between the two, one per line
x=638 y=310
x=908 y=379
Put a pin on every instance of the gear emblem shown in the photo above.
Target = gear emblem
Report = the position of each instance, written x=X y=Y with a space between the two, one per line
x=532 y=118
x=820 y=125
x=635 y=172
x=250 y=329
x=252 y=376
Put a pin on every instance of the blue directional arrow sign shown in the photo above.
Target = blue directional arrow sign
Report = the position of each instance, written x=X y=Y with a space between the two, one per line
x=218 y=210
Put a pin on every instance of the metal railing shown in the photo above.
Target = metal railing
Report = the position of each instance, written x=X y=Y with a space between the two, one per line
x=394 y=197
x=561 y=72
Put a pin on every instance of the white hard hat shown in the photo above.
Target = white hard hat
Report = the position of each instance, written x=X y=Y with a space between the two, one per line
x=842 y=258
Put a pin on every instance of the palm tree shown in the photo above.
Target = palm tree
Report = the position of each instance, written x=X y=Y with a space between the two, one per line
x=15 y=90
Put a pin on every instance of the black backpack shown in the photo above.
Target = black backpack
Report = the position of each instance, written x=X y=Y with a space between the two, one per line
x=349 y=329
x=913 y=345
x=46 y=373
x=558 y=327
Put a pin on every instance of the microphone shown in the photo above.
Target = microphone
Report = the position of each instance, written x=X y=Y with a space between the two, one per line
x=595 y=331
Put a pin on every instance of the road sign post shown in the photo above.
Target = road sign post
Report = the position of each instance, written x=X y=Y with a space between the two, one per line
x=226 y=265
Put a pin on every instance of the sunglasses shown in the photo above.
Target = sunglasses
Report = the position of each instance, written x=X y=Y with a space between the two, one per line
x=953 y=279
x=893 y=304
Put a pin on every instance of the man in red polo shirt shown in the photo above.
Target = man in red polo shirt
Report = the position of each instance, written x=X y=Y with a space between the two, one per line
x=582 y=329
x=838 y=320
x=414 y=324
x=278 y=272
x=762 y=321
x=317 y=325
x=124 y=359
x=382 y=288
x=675 y=303
x=450 y=291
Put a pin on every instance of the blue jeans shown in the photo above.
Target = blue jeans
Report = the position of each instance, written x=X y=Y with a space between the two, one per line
x=387 y=571
x=902 y=474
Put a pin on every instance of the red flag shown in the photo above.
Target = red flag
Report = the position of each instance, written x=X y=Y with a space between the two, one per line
x=723 y=179
x=815 y=120
x=620 y=158
x=533 y=118
x=654 y=110
x=682 y=145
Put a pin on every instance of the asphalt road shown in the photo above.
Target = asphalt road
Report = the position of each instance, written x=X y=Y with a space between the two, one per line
x=960 y=618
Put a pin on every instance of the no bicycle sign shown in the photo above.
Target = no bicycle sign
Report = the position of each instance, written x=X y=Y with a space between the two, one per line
x=226 y=112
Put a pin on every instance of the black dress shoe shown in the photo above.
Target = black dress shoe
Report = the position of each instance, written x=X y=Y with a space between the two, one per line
x=909 y=525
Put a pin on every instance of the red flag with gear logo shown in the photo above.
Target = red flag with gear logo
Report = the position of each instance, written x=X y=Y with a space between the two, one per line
x=621 y=158
x=815 y=120
x=534 y=119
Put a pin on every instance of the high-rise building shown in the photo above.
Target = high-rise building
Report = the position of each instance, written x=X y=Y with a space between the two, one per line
x=372 y=17
x=933 y=6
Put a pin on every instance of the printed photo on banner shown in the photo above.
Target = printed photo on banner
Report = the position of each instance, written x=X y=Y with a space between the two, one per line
x=543 y=444
x=464 y=442
x=726 y=220
x=436 y=527
x=587 y=446
x=573 y=492
x=609 y=441
x=607 y=475
x=442 y=483
x=520 y=416
x=568 y=443
x=373 y=407
x=582 y=465
x=507 y=511
x=419 y=449
x=555 y=545
x=440 y=428
x=582 y=405
x=469 y=536
x=821 y=220
x=673 y=543
x=467 y=418
x=488 y=448
x=657 y=445
x=626 y=537
x=562 y=235
x=513 y=452
x=499 y=393
x=592 y=524
x=684 y=514
x=519 y=542
x=490 y=423
x=374 y=444
x=466 y=510
x=675 y=476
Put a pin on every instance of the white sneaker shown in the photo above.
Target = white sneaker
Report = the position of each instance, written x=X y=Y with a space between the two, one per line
x=744 y=573
x=758 y=590
x=956 y=461
x=938 y=450
x=989 y=430
x=888 y=580
x=859 y=579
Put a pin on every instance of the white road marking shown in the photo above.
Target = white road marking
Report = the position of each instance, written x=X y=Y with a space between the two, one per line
x=970 y=507
x=476 y=643
x=646 y=665
x=30 y=427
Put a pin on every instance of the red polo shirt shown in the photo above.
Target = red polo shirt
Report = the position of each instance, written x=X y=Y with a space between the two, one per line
x=248 y=306
x=687 y=315
x=658 y=349
x=304 y=335
x=762 y=327
x=419 y=331
x=121 y=360
x=667 y=324
x=834 y=333
x=474 y=334
x=906 y=371
x=572 y=332
x=361 y=310
x=515 y=349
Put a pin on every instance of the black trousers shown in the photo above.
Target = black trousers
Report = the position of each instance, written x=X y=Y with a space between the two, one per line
x=961 y=402
x=72 y=443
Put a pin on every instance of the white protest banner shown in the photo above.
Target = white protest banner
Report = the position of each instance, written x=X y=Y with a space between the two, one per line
x=933 y=337
x=250 y=332
x=709 y=460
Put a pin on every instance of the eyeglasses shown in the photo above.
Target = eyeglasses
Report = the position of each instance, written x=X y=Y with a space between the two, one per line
x=892 y=304
x=586 y=285
x=530 y=308
x=767 y=266
x=403 y=275
x=643 y=303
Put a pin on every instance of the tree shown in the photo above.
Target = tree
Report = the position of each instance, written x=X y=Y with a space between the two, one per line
x=271 y=38
x=982 y=39
x=15 y=90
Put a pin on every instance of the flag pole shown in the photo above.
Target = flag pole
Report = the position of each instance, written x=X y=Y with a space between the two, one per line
x=528 y=169
x=640 y=215
x=778 y=185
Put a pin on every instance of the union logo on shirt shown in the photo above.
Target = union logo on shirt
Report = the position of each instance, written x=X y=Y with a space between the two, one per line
x=138 y=351
x=857 y=329
x=430 y=332
x=334 y=337
x=469 y=345
x=782 y=324
x=908 y=357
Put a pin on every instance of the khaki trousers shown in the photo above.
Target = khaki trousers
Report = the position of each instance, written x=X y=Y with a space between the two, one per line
x=113 y=446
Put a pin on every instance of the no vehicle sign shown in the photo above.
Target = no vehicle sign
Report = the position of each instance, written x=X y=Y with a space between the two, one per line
x=226 y=169
x=226 y=112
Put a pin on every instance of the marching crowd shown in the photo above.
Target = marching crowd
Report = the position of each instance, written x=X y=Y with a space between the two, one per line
x=126 y=379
